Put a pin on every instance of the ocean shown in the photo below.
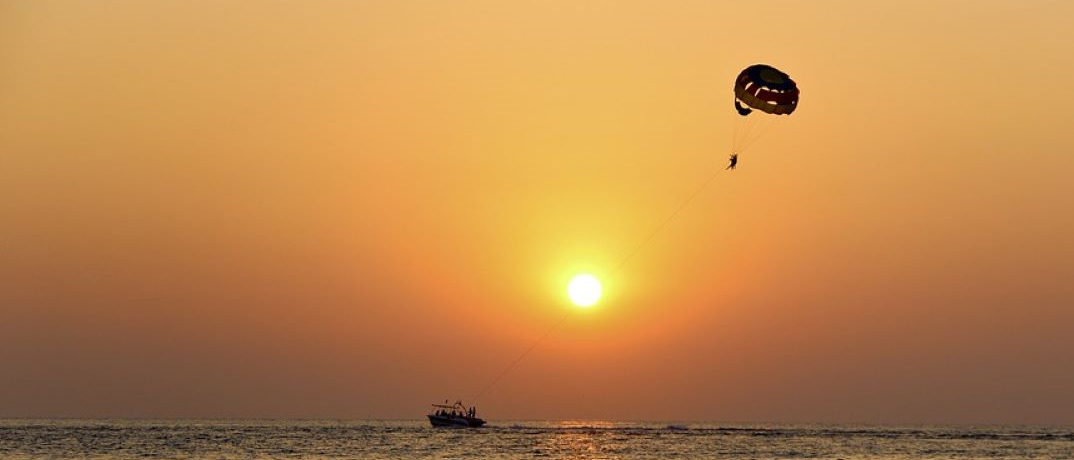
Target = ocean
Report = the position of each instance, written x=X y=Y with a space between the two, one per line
x=332 y=439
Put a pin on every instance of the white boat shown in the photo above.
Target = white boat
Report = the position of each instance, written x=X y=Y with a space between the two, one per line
x=455 y=415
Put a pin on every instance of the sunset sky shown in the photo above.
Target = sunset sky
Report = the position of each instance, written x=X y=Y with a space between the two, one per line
x=354 y=209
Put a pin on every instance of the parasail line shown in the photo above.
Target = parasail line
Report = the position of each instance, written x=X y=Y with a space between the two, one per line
x=760 y=87
x=765 y=126
x=667 y=221
x=522 y=356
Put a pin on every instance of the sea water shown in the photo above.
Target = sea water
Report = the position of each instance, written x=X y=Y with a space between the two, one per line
x=323 y=439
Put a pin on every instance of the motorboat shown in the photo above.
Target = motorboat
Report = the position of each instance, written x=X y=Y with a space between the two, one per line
x=455 y=415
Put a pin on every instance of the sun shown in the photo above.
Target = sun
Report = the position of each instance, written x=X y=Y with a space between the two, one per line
x=584 y=290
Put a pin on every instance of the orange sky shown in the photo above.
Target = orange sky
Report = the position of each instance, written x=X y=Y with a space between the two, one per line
x=354 y=209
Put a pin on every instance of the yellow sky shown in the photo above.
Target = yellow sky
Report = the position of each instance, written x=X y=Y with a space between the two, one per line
x=354 y=209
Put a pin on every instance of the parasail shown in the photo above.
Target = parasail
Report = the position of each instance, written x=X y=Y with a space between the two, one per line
x=767 y=89
x=764 y=88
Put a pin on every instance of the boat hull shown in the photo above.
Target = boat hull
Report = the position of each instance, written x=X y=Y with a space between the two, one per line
x=455 y=422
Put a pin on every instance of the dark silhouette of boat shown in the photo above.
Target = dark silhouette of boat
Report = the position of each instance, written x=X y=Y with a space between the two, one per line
x=455 y=415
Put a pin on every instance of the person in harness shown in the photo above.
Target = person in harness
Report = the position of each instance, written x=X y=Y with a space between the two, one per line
x=734 y=161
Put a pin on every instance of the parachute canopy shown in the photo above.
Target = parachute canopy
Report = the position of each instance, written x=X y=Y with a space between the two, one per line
x=767 y=89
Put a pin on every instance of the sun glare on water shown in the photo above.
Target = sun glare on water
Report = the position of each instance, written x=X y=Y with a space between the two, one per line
x=584 y=290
